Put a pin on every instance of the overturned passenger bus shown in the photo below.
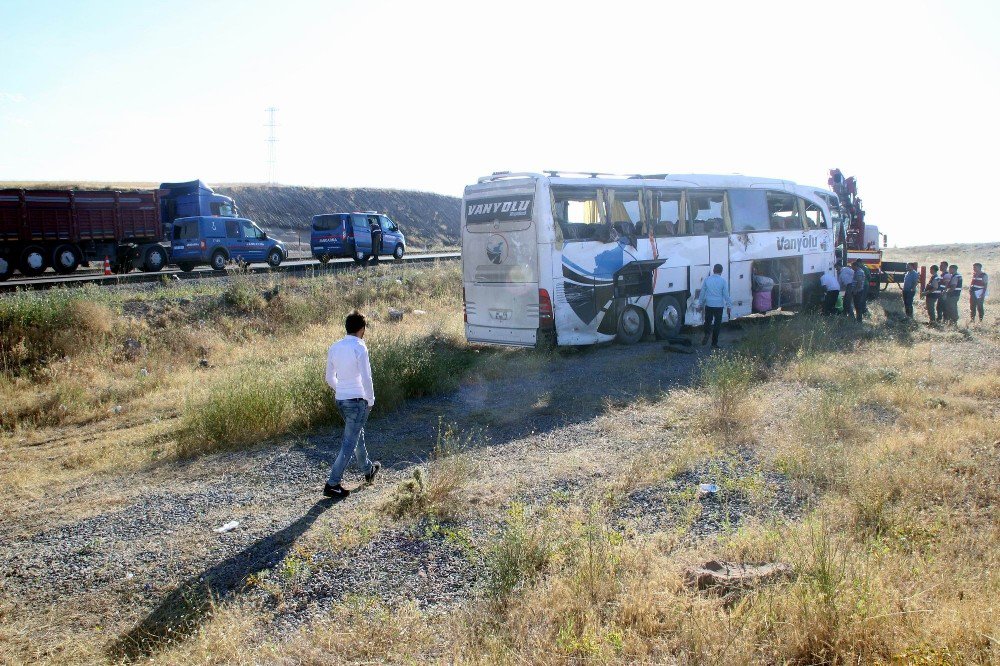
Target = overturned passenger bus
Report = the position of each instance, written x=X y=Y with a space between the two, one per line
x=576 y=259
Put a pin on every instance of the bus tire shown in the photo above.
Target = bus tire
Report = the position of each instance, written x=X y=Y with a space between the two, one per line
x=631 y=325
x=668 y=317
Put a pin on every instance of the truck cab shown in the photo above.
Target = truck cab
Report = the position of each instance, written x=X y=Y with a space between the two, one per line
x=217 y=241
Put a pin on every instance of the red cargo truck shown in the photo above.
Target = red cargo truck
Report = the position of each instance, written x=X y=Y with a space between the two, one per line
x=64 y=229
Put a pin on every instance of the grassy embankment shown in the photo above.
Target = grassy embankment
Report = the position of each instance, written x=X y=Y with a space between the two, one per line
x=94 y=380
x=885 y=438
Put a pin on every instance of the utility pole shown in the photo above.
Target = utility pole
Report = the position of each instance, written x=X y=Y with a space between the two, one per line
x=271 y=140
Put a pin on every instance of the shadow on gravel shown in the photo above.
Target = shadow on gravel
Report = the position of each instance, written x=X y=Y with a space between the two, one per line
x=183 y=610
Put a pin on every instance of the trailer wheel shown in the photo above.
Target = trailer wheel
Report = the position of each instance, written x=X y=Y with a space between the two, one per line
x=6 y=268
x=668 y=317
x=65 y=259
x=219 y=260
x=33 y=261
x=155 y=259
x=631 y=325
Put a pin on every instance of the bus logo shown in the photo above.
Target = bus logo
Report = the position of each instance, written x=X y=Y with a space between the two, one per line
x=496 y=248
x=499 y=209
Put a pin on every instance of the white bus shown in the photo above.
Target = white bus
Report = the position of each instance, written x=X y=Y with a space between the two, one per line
x=576 y=260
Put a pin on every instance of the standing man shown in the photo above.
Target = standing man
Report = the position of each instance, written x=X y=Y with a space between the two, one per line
x=953 y=294
x=860 y=289
x=932 y=291
x=349 y=374
x=846 y=279
x=910 y=281
x=944 y=278
x=978 y=288
x=714 y=296
x=831 y=286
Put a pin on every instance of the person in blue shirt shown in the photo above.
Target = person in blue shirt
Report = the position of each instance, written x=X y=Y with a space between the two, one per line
x=910 y=281
x=714 y=296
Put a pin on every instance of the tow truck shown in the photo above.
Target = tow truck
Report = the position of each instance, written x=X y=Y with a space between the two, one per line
x=858 y=240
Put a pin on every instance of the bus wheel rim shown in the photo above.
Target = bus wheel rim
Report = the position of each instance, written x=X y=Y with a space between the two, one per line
x=670 y=316
x=66 y=258
x=630 y=321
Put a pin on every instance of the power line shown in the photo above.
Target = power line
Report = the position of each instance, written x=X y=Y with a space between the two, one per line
x=271 y=140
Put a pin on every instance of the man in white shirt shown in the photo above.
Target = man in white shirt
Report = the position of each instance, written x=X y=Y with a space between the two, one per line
x=349 y=374
x=831 y=286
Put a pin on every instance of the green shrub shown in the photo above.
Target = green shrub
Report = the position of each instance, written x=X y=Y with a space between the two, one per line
x=727 y=378
x=519 y=556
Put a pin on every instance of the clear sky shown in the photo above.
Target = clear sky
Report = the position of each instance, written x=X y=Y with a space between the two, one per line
x=431 y=95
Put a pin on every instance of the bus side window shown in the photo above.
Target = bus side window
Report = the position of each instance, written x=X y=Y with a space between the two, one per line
x=626 y=217
x=814 y=216
x=580 y=213
x=784 y=212
x=705 y=213
x=668 y=221
x=749 y=210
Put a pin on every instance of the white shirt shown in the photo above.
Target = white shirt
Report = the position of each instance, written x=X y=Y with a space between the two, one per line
x=348 y=370
x=846 y=278
x=830 y=281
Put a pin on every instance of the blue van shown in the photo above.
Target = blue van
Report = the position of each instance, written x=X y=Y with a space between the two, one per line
x=218 y=240
x=351 y=234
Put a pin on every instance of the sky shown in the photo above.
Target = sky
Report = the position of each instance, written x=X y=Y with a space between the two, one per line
x=432 y=95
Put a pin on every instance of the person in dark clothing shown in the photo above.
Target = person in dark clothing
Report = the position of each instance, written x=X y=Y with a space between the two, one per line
x=713 y=297
x=978 y=288
x=910 y=281
x=932 y=291
x=860 y=290
x=953 y=295
x=376 y=229
x=944 y=277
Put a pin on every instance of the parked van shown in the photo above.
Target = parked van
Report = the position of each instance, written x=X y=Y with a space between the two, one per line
x=218 y=240
x=350 y=235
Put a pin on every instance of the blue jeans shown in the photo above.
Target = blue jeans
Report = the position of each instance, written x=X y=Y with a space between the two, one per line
x=355 y=413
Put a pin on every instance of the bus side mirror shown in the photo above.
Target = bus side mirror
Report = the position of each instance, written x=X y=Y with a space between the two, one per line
x=885 y=240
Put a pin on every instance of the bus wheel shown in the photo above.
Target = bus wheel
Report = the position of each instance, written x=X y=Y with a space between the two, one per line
x=631 y=325
x=33 y=261
x=65 y=259
x=667 y=317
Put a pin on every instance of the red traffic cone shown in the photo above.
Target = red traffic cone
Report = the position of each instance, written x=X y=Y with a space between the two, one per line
x=107 y=266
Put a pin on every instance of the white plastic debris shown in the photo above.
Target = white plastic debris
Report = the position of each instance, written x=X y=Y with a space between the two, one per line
x=117 y=409
x=420 y=312
x=708 y=488
x=228 y=527
x=129 y=576
x=143 y=372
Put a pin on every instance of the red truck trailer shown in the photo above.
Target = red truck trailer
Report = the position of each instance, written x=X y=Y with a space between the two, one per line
x=64 y=229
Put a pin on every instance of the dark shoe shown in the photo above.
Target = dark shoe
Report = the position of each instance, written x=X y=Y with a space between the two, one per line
x=370 y=476
x=337 y=491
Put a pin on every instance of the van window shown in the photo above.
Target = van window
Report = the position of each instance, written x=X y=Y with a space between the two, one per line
x=580 y=213
x=814 y=215
x=667 y=213
x=388 y=224
x=784 y=212
x=232 y=229
x=186 y=230
x=749 y=210
x=359 y=221
x=222 y=209
x=705 y=213
x=250 y=230
x=327 y=222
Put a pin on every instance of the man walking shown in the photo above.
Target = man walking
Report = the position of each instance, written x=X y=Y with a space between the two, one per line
x=831 y=286
x=953 y=294
x=349 y=374
x=978 y=287
x=932 y=291
x=910 y=281
x=860 y=289
x=846 y=279
x=714 y=296
x=944 y=278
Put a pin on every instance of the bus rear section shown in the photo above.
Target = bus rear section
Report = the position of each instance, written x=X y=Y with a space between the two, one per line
x=502 y=300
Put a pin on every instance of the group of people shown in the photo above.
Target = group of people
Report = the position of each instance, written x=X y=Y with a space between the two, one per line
x=849 y=282
x=943 y=292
